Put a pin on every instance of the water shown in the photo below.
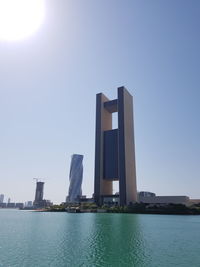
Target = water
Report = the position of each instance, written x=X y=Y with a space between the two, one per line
x=32 y=239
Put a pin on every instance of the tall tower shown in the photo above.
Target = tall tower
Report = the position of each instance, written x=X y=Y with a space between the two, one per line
x=39 y=193
x=75 y=178
x=115 y=148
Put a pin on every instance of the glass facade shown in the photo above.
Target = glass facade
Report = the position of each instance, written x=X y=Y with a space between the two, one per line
x=75 y=178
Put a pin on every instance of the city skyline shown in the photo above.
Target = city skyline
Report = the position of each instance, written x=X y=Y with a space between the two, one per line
x=49 y=82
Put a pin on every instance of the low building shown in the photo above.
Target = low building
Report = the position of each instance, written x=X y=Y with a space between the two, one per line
x=48 y=203
x=19 y=205
x=3 y=205
x=165 y=200
x=43 y=204
x=146 y=194
x=29 y=204
x=110 y=199
x=84 y=199
x=11 y=205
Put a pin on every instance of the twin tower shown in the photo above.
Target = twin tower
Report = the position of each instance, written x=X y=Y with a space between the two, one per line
x=115 y=149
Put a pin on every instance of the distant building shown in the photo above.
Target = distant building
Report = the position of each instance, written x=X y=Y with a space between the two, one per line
x=3 y=205
x=38 y=202
x=19 y=205
x=75 y=178
x=1 y=198
x=146 y=194
x=84 y=199
x=9 y=200
x=48 y=203
x=39 y=191
x=111 y=199
x=165 y=200
x=11 y=205
x=29 y=204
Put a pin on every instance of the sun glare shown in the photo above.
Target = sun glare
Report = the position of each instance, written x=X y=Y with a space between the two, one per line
x=20 y=18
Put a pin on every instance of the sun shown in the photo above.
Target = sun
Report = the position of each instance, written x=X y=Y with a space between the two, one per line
x=20 y=18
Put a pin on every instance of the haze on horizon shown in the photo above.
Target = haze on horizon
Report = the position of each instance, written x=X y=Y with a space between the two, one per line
x=49 y=83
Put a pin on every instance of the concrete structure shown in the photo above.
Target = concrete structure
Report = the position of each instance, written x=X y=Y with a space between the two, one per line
x=75 y=178
x=38 y=202
x=165 y=200
x=1 y=198
x=115 y=149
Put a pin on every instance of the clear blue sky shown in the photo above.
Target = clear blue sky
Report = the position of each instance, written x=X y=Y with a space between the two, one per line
x=49 y=81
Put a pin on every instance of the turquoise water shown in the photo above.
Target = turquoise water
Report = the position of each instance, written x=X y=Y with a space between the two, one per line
x=66 y=239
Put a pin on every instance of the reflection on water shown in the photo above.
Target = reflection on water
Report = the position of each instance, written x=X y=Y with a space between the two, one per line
x=32 y=239
x=115 y=240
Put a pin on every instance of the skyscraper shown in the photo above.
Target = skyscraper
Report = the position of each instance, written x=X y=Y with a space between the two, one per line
x=39 y=194
x=1 y=198
x=75 y=178
x=115 y=149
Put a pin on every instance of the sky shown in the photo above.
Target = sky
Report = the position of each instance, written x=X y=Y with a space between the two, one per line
x=49 y=82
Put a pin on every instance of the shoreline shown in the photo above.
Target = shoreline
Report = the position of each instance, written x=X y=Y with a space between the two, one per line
x=109 y=212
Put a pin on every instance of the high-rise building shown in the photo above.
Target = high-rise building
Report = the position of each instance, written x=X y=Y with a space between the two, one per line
x=39 y=194
x=75 y=178
x=39 y=202
x=115 y=149
x=1 y=198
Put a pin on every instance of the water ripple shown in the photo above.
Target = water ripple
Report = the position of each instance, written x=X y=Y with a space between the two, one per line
x=30 y=239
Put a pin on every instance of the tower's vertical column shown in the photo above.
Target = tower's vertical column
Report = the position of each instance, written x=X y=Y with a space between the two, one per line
x=103 y=123
x=127 y=168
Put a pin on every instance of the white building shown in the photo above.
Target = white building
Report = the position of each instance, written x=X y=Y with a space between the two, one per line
x=165 y=200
